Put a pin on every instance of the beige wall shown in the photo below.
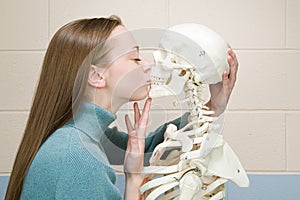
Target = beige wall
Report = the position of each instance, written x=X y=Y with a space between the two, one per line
x=262 y=121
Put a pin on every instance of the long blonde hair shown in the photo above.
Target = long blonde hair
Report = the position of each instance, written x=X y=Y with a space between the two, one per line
x=52 y=104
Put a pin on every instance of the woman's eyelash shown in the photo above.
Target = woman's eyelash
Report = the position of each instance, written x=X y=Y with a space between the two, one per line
x=137 y=59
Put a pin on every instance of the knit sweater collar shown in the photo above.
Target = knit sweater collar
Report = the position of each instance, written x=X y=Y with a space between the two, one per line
x=93 y=120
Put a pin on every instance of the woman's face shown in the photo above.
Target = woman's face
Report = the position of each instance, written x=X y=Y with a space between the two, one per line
x=128 y=74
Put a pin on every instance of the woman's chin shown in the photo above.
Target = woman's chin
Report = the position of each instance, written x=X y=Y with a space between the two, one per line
x=140 y=94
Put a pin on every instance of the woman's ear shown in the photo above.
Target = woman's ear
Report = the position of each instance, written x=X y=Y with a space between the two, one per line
x=95 y=79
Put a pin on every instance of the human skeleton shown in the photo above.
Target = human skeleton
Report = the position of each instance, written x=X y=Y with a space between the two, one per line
x=199 y=161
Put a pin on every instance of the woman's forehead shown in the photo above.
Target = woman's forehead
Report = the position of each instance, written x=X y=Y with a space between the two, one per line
x=121 y=41
x=118 y=30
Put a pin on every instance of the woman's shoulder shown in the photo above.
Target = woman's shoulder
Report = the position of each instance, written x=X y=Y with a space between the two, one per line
x=64 y=164
x=76 y=147
x=67 y=150
x=58 y=143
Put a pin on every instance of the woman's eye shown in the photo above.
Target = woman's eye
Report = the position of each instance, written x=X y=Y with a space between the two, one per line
x=137 y=59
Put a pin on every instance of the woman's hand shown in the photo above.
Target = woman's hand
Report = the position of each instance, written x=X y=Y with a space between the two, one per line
x=134 y=157
x=220 y=92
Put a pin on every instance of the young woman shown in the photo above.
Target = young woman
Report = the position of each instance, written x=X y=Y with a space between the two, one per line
x=88 y=73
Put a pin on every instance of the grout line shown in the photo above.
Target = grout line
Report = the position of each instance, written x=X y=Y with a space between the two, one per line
x=176 y=110
x=263 y=110
x=227 y=111
x=168 y=12
x=235 y=49
x=285 y=142
x=266 y=49
x=238 y=49
x=285 y=23
x=48 y=21
x=248 y=172
x=22 y=50
x=14 y=111
x=4 y=174
x=273 y=172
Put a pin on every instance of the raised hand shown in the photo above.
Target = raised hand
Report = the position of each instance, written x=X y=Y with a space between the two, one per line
x=134 y=157
x=220 y=92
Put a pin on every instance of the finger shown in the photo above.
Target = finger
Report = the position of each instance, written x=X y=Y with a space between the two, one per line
x=226 y=84
x=225 y=78
x=228 y=45
x=233 y=55
x=128 y=124
x=145 y=113
x=233 y=69
x=232 y=77
x=137 y=114
x=233 y=61
x=225 y=81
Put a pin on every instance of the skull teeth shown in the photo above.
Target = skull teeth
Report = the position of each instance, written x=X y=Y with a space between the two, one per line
x=155 y=80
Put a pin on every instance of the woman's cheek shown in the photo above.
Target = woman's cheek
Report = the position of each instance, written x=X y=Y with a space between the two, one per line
x=126 y=85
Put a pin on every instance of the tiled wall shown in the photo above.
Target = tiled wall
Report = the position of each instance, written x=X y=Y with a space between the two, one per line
x=262 y=120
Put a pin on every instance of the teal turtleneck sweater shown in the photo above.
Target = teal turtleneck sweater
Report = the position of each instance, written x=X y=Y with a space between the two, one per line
x=74 y=162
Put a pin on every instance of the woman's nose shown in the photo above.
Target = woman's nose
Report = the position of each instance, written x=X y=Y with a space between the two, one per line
x=146 y=65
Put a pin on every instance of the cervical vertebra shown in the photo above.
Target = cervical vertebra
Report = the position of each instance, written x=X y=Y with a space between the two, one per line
x=205 y=162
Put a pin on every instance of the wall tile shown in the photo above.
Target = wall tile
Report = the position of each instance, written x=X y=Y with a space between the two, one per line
x=293 y=138
x=11 y=131
x=267 y=80
x=257 y=138
x=18 y=78
x=24 y=24
x=135 y=14
x=293 y=24
x=245 y=24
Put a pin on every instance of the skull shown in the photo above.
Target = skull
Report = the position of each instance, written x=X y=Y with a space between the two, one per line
x=183 y=47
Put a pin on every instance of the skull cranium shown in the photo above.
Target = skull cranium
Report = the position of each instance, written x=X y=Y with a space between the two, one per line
x=188 y=46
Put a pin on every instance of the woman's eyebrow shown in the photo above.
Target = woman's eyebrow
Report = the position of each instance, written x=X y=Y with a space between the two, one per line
x=136 y=48
x=134 y=51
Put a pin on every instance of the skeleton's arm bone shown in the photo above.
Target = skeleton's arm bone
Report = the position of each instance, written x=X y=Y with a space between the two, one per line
x=189 y=185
